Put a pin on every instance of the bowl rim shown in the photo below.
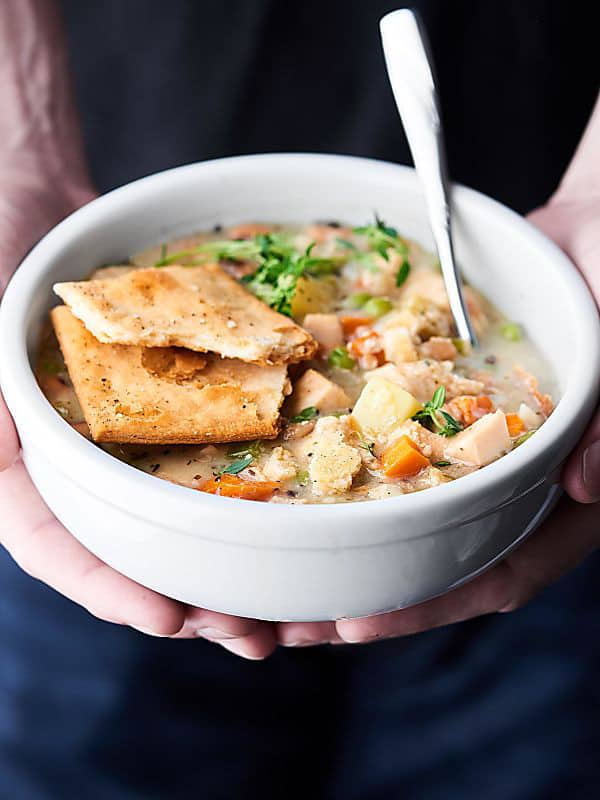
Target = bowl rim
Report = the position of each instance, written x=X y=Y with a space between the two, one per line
x=539 y=453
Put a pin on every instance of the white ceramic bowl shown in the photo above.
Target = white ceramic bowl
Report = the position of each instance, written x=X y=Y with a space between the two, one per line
x=300 y=562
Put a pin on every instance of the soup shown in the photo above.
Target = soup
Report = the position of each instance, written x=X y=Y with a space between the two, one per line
x=382 y=401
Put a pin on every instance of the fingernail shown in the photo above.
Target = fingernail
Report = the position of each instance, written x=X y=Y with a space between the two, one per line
x=215 y=633
x=305 y=643
x=240 y=648
x=148 y=632
x=591 y=471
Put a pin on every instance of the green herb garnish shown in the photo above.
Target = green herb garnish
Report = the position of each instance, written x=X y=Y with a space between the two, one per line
x=442 y=463
x=382 y=238
x=339 y=357
x=346 y=243
x=238 y=466
x=431 y=412
x=308 y=413
x=402 y=273
x=523 y=438
x=276 y=277
x=368 y=446
x=245 y=449
x=511 y=331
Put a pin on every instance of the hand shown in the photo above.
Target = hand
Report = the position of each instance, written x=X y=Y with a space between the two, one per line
x=29 y=205
x=563 y=542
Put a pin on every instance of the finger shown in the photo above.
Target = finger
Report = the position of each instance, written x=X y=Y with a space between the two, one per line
x=574 y=228
x=9 y=442
x=259 y=644
x=581 y=476
x=307 y=634
x=560 y=545
x=204 y=623
x=47 y=551
x=483 y=595
x=245 y=637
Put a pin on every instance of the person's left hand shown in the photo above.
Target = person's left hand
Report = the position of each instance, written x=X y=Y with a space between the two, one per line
x=560 y=544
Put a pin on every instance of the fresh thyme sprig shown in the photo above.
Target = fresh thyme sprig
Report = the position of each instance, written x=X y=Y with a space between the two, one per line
x=430 y=413
x=382 y=238
x=308 y=413
x=368 y=446
x=278 y=272
x=237 y=466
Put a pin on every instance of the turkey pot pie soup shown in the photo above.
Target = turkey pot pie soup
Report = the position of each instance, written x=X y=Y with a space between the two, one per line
x=307 y=364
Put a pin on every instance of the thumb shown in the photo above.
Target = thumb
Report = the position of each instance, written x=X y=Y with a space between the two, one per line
x=9 y=442
x=574 y=227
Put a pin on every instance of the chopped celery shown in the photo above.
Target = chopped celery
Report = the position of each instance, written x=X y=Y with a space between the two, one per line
x=377 y=306
x=339 y=357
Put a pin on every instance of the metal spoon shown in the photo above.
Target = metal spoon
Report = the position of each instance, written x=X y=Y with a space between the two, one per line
x=410 y=74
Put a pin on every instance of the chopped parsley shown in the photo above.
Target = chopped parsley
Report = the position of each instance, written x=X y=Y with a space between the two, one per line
x=308 y=413
x=441 y=463
x=430 y=413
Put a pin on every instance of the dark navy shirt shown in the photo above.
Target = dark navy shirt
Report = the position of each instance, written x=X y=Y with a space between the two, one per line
x=504 y=707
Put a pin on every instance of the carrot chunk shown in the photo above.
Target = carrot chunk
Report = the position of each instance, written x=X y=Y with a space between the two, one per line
x=467 y=408
x=351 y=322
x=515 y=424
x=403 y=459
x=234 y=486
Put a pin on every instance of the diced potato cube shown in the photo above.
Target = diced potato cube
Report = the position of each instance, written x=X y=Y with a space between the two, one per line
x=313 y=295
x=314 y=389
x=383 y=406
x=483 y=442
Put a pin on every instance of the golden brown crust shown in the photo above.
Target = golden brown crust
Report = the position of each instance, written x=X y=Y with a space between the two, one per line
x=200 y=308
x=134 y=395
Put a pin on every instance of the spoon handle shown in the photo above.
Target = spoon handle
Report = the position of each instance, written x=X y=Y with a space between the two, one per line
x=412 y=83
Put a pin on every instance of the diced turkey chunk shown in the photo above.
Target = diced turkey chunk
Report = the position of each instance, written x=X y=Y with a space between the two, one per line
x=543 y=402
x=326 y=329
x=280 y=465
x=422 y=378
x=531 y=419
x=483 y=442
x=398 y=346
x=439 y=348
x=314 y=389
x=333 y=463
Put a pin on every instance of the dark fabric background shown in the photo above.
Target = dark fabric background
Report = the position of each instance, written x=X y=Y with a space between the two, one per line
x=504 y=707
x=161 y=84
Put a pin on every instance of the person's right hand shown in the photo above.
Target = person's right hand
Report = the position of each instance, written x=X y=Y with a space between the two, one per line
x=31 y=202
